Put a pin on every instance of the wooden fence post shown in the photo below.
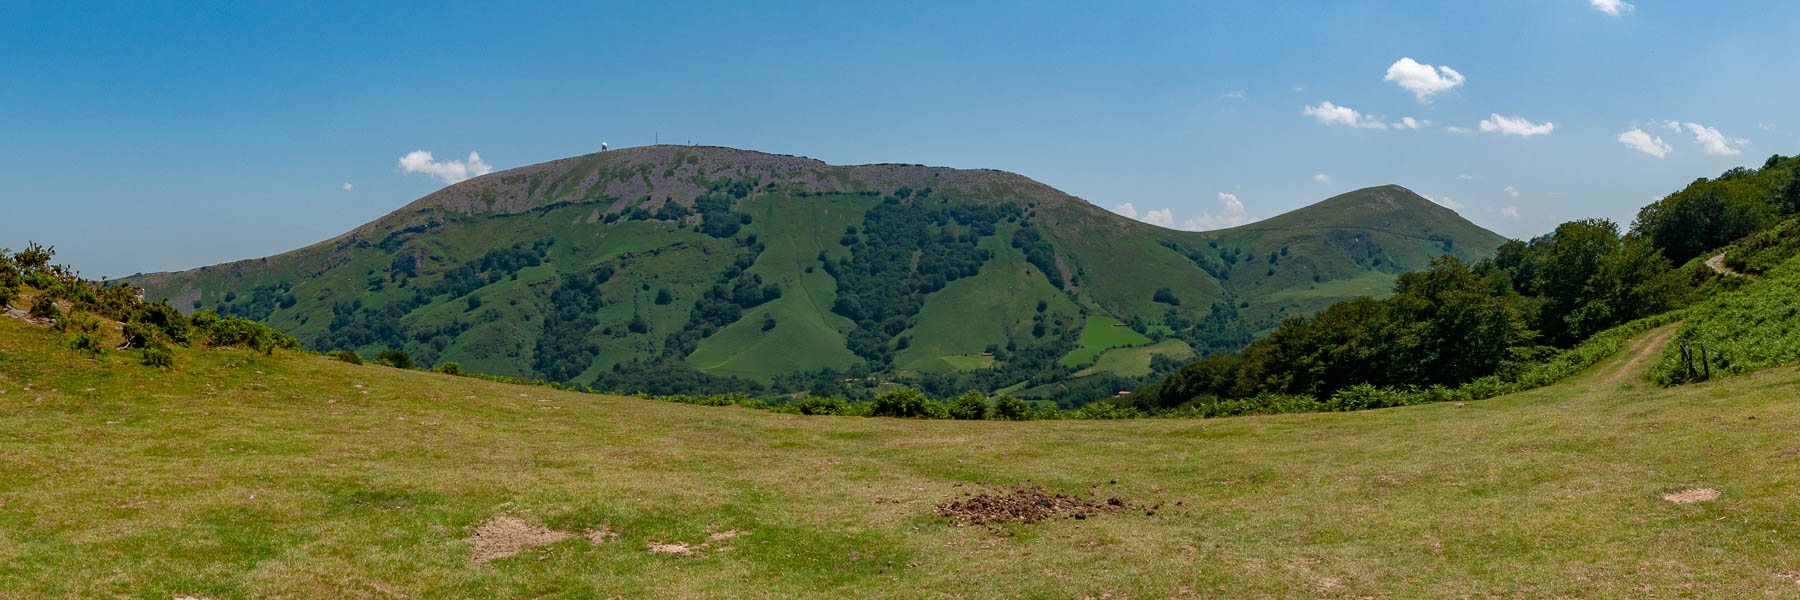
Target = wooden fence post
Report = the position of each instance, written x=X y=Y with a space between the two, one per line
x=1706 y=364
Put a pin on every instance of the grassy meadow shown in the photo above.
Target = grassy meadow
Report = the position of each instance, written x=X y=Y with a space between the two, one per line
x=242 y=475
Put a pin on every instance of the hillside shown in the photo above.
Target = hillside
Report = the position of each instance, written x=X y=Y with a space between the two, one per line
x=244 y=475
x=668 y=267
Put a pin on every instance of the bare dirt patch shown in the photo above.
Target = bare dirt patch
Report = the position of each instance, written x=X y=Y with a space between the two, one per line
x=501 y=537
x=600 y=535
x=676 y=548
x=1692 y=495
x=1022 y=504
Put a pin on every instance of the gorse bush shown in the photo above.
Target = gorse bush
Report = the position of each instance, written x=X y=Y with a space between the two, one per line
x=88 y=344
x=816 y=405
x=396 y=358
x=347 y=356
x=1008 y=408
x=903 y=403
x=215 y=330
x=451 y=368
x=44 y=308
x=971 y=406
x=158 y=357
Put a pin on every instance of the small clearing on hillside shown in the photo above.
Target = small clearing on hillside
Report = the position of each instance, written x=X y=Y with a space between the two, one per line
x=1692 y=495
x=1025 y=505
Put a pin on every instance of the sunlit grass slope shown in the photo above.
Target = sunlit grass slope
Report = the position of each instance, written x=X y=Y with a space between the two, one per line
x=248 y=476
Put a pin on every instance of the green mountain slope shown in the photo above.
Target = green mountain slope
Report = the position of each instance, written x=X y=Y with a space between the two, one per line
x=649 y=268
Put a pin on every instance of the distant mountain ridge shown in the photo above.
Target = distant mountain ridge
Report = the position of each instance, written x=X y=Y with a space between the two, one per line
x=718 y=262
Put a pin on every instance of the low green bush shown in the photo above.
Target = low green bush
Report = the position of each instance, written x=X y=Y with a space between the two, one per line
x=347 y=356
x=451 y=368
x=44 y=308
x=87 y=344
x=971 y=406
x=395 y=358
x=901 y=403
x=816 y=405
x=1008 y=408
x=158 y=356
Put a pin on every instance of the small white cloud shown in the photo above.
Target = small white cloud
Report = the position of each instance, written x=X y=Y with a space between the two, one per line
x=1511 y=191
x=1231 y=214
x=1766 y=126
x=1455 y=129
x=1410 y=123
x=1319 y=177
x=1465 y=177
x=1421 y=79
x=1515 y=126
x=1672 y=125
x=1164 y=217
x=1234 y=95
x=450 y=171
x=1332 y=114
x=1637 y=140
x=1126 y=209
x=1613 y=7
x=1299 y=87
x=1715 y=143
x=348 y=186
x=1446 y=202
x=1510 y=211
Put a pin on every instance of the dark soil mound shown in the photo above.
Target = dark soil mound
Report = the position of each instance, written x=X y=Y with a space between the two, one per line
x=1025 y=505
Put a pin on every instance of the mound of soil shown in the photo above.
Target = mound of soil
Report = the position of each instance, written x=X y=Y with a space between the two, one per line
x=1023 y=504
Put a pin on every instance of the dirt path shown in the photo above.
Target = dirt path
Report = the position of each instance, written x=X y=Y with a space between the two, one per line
x=1717 y=264
x=1638 y=352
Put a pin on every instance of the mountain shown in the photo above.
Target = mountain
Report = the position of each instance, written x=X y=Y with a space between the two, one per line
x=663 y=266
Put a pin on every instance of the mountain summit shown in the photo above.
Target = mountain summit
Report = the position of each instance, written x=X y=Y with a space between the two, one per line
x=662 y=267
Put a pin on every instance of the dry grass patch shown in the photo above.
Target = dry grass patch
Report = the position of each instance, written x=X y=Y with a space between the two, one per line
x=501 y=537
x=1692 y=495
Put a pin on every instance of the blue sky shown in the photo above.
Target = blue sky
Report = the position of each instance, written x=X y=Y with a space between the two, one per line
x=145 y=138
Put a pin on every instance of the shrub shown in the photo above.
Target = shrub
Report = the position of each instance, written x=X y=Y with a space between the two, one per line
x=1008 y=408
x=77 y=322
x=237 y=331
x=347 y=356
x=815 y=405
x=158 y=357
x=972 y=406
x=451 y=368
x=903 y=403
x=161 y=318
x=8 y=294
x=44 y=308
x=87 y=343
x=396 y=358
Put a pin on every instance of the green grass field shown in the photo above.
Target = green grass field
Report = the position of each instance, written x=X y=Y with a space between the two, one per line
x=241 y=475
x=1135 y=362
x=1100 y=333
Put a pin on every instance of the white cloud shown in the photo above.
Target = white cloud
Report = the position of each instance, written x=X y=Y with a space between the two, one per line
x=1612 y=7
x=1164 y=217
x=1465 y=177
x=1126 y=209
x=1637 y=140
x=1766 y=126
x=1421 y=79
x=1515 y=126
x=1511 y=191
x=1322 y=178
x=1231 y=214
x=1332 y=114
x=450 y=171
x=1510 y=211
x=1715 y=143
x=1672 y=125
x=1410 y=123
x=1446 y=202
x=1234 y=95
x=348 y=186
